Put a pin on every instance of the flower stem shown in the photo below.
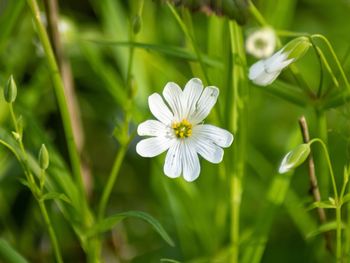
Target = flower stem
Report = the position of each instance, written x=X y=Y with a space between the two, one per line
x=60 y=95
x=192 y=40
x=51 y=231
x=111 y=181
x=339 y=227
x=335 y=57
x=337 y=200
x=239 y=127
x=37 y=192
x=329 y=163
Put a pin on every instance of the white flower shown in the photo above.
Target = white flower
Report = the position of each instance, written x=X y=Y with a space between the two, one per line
x=261 y=43
x=265 y=71
x=179 y=129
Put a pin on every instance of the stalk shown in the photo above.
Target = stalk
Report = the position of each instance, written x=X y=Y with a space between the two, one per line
x=60 y=95
x=239 y=127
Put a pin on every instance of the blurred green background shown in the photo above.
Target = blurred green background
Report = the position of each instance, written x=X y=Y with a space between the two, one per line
x=195 y=214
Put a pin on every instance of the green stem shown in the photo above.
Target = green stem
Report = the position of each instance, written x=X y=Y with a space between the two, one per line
x=257 y=15
x=335 y=57
x=111 y=181
x=238 y=126
x=193 y=42
x=339 y=227
x=60 y=95
x=329 y=163
x=51 y=231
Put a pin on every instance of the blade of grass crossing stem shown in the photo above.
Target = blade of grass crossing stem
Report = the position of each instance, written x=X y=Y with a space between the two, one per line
x=109 y=222
x=239 y=128
x=61 y=99
x=8 y=254
x=190 y=36
x=275 y=197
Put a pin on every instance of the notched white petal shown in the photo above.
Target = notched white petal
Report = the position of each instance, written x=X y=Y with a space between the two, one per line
x=205 y=103
x=173 y=164
x=159 y=109
x=190 y=96
x=172 y=94
x=209 y=151
x=151 y=128
x=219 y=136
x=153 y=146
x=190 y=162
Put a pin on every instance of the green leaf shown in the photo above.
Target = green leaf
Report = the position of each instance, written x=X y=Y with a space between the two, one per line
x=168 y=260
x=109 y=222
x=346 y=198
x=8 y=254
x=325 y=228
x=165 y=49
x=55 y=195
x=322 y=204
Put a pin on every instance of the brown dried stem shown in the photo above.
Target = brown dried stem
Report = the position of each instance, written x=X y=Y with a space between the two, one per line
x=313 y=183
x=52 y=15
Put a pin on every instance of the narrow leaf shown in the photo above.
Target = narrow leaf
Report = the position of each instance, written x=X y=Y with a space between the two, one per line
x=8 y=254
x=323 y=204
x=55 y=195
x=325 y=228
x=109 y=222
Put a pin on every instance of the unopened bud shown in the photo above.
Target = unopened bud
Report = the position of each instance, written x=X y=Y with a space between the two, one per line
x=294 y=158
x=43 y=157
x=10 y=91
x=297 y=47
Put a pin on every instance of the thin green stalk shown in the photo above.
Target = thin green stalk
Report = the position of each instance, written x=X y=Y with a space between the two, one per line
x=60 y=95
x=24 y=158
x=36 y=192
x=339 y=227
x=335 y=57
x=337 y=200
x=51 y=231
x=329 y=163
x=257 y=15
x=193 y=42
x=239 y=126
x=111 y=181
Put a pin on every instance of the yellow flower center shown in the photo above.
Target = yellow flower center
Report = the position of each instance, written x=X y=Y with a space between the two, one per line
x=182 y=129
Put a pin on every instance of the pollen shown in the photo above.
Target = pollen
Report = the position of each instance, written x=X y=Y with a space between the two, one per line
x=182 y=129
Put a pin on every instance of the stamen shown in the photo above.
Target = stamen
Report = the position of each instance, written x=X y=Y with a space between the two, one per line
x=182 y=129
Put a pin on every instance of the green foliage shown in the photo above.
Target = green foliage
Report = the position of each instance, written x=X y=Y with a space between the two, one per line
x=119 y=53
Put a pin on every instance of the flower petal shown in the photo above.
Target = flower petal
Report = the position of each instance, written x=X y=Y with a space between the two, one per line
x=172 y=94
x=205 y=104
x=190 y=162
x=217 y=135
x=256 y=70
x=153 y=146
x=266 y=78
x=209 y=151
x=159 y=109
x=173 y=164
x=190 y=96
x=151 y=128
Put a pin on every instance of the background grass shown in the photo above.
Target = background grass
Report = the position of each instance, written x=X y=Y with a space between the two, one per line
x=196 y=215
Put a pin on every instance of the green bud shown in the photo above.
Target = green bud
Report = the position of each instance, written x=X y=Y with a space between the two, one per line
x=294 y=158
x=297 y=47
x=43 y=157
x=136 y=24
x=10 y=91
